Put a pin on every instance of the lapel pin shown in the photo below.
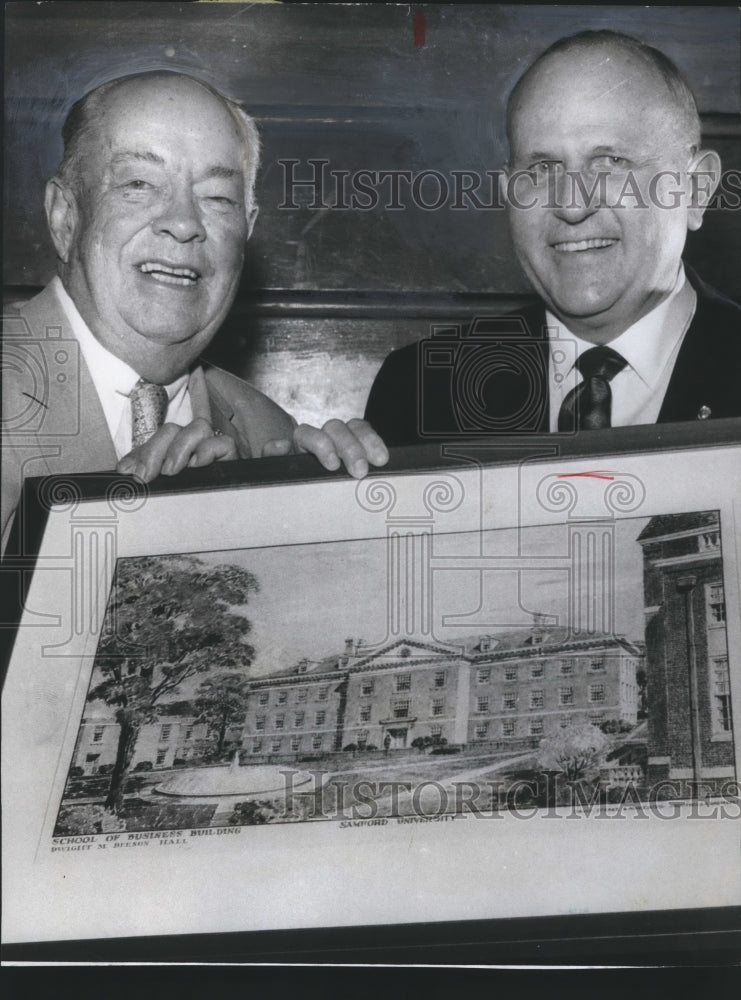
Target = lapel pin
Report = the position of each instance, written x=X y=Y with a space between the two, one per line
x=703 y=413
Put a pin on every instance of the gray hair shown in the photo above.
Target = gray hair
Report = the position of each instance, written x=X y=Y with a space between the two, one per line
x=679 y=90
x=85 y=116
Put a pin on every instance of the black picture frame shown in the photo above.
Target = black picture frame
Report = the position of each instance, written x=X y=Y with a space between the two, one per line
x=565 y=937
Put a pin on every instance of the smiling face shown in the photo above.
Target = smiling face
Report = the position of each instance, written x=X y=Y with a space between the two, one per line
x=600 y=116
x=152 y=236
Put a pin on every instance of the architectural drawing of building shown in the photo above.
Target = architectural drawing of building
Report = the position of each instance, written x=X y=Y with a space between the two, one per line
x=690 y=725
x=159 y=743
x=492 y=690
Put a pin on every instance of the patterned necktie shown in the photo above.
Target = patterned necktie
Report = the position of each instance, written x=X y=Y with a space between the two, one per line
x=589 y=405
x=148 y=409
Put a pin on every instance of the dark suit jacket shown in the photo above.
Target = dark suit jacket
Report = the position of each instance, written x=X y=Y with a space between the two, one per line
x=52 y=418
x=494 y=378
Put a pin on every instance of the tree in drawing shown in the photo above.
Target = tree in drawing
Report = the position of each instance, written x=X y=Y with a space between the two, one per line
x=168 y=619
x=221 y=701
x=574 y=749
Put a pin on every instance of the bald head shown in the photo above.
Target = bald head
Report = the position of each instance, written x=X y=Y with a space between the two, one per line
x=605 y=178
x=85 y=119
x=662 y=83
x=150 y=214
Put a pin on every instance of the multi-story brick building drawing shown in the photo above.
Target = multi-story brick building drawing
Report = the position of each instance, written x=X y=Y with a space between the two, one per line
x=490 y=690
x=159 y=743
x=690 y=725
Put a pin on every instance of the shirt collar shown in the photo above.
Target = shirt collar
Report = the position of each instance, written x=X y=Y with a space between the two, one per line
x=109 y=372
x=648 y=343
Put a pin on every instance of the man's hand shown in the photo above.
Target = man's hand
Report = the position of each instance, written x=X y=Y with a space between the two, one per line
x=353 y=444
x=172 y=449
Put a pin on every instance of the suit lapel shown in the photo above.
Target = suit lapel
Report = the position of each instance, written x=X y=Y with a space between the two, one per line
x=74 y=432
x=534 y=320
x=208 y=403
x=688 y=388
x=696 y=381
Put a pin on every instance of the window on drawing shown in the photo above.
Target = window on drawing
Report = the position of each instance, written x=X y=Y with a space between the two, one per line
x=536 y=699
x=567 y=665
x=438 y=706
x=508 y=727
x=98 y=734
x=320 y=718
x=323 y=693
x=436 y=730
x=298 y=720
x=282 y=697
x=721 y=695
x=482 y=730
x=536 y=727
x=596 y=693
x=295 y=744
x=565 y=696
x=509 y=701
x=482 y=704
x=161 y=756
x=276 y=745
x=716 y=603
x=260 y=722
x=401 y=709
x=263 y=698
x=280 y=721
x=365 y=713
x=366 y=686
x=257 y=746
x=303 y=694
x=537 y=670
x=316 y=743
x=403 y=682
x=483 y=675
x=596 y=664
x=709 y=540
x=439 y=678
x=165 y=732
x=510 y=673
x=362 y=738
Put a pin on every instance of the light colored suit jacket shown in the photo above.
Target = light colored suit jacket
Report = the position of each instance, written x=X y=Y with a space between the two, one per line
x=52 y=418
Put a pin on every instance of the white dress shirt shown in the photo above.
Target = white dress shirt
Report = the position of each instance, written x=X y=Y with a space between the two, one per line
x=114 y=379
x=650 y=348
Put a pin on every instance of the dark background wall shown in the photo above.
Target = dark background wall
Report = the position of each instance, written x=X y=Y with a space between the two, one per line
x=327 y=292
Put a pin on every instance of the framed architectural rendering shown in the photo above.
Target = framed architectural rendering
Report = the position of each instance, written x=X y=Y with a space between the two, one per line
x=487 y=683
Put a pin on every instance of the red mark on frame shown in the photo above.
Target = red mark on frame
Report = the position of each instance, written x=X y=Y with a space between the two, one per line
x=596 y=474
x=419 y=28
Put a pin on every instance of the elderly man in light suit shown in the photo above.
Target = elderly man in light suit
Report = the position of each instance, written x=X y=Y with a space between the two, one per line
x=149 y=213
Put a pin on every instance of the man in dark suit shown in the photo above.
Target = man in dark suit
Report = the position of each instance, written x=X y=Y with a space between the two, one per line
x=606 y=176
x=149 y=213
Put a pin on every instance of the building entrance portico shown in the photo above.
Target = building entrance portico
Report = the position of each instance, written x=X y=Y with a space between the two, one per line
x=398 y=735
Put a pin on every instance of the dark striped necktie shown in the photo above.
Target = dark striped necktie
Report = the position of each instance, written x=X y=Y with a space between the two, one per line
x=589 y=405
x=148 y=409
